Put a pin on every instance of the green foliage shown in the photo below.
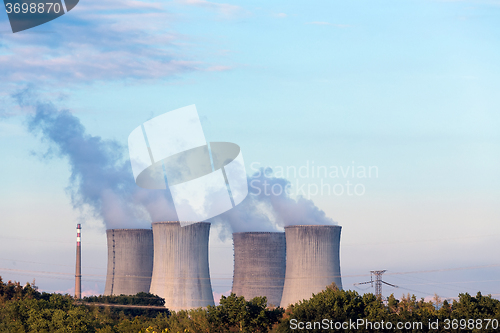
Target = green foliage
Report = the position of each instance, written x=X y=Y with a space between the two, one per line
x=234 y=314
x=34 y=313
x=331 y=304
x=141 y=299
x=341 y=306
x=138 y=299
x=25 y=309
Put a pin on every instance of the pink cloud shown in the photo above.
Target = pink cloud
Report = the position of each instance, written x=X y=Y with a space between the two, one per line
x=217 y=296
x=116 y=40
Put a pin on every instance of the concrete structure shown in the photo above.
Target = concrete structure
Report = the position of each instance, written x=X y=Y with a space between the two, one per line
x=312 y=261
x=180 y=270
x=78 y=271
x=259 y=265
x=130 y=261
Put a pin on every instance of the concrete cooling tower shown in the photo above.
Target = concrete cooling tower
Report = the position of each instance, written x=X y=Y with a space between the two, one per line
x=312 y=261
x=180 y=270
x=259 y=265
x=130 y=261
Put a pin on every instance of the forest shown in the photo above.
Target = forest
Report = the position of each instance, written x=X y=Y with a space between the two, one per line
x=25 y=309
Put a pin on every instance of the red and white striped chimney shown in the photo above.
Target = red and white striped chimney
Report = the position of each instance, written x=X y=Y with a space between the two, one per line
x=78 y=274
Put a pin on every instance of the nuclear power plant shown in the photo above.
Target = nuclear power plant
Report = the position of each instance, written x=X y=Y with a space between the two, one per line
x=172 y=262
x=130 y=261
x=180 y=271
x=259 y=265
x=312 y=261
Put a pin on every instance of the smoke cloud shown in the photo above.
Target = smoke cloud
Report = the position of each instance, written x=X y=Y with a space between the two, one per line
x=269 y=207
x=101 y=176
x=102 y=180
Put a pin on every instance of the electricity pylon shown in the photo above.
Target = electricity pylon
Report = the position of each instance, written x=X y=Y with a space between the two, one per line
x=378 y=282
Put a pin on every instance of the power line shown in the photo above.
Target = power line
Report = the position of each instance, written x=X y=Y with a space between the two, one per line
x=378 y=282
x=422 y=240
x=44 y=240
x=100 y=277
x=445 y=269
x=50 y=264
x=450 y=285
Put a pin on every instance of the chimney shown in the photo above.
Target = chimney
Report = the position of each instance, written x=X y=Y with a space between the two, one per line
x=78 y=273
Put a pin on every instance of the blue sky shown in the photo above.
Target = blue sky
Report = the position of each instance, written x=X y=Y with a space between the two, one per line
x=407 y=86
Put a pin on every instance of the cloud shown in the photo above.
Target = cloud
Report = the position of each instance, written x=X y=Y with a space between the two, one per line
x=487 y=2
x=99 y=41
x=102 y=180
x=9 y=129
x=219 y=68
x=85 y=292
x=217 y=296
x=101 y=176
x=225 y=9
x=269 y=207
x=281 y=15
x=331 y=24
x=91 y=291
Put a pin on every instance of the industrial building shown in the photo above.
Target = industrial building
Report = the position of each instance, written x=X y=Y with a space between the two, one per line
x=180 y=271
x=130 y=261
x=259 y=265
x=172 y=262
x=312 y=261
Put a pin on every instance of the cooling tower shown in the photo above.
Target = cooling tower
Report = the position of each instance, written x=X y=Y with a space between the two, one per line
x=259 y=265
x=180 y=270
x=130 y=261
x=312 y=261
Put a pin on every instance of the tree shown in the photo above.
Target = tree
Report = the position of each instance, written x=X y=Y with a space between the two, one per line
x=234 y=314
x=331 y=304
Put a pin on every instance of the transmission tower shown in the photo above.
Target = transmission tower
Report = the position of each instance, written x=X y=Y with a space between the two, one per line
x=378 y=282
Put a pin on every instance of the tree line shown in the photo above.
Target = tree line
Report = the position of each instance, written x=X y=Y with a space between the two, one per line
x=25 y=309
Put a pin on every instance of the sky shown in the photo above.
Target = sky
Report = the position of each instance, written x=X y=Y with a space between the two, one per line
x=406 y=89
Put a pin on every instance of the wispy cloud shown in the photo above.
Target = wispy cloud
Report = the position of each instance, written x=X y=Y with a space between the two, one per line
x=101 y=176
x=9 y=129
x=85 y=292
x=112 y=40
x=225 y=9
x=219 y=68
x=330 y=24
x=217 y=296
x=488 y=2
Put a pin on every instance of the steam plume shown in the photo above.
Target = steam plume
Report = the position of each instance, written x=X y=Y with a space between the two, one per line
x=268 y=210
x=101 y=176
x=102 y=179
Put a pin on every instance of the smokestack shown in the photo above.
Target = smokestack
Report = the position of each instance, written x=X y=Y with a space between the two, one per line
x=78 y=273
x=130 y=261
x=259 y=265
x=312 y=261
x=180 y=272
